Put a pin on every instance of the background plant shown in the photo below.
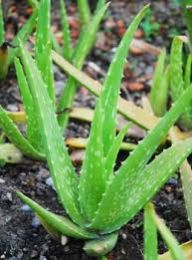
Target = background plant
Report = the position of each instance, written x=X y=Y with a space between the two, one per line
x=114 y=197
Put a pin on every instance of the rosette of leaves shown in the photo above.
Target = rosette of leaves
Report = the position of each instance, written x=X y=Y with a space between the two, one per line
x=101 y=200
x=170 y=81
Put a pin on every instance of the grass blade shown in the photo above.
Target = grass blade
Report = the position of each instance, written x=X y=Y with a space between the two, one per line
x=63 y=174
x=150 y=234
x=61 y=224
x=43 y=46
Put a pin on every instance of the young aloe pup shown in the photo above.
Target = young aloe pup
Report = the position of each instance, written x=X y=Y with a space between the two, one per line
x=101 y=200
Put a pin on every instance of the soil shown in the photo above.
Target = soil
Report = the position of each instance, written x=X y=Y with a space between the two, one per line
x=21 y=235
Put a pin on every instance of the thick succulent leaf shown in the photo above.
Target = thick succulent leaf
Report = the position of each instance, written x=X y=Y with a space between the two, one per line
x=150 y=234
x=84 y=11
x=22 y=35
x=100 y=4
x=93 y=181
x=116 y=206
x=10 y=154
x=82 y=49
x=159 y=92
x=176 y=70
x=60 y=224
x=126 y=108
x=113 y=152
x=33 y=132
x=110 y=92
x=187 y=15
x=63 y=174
x=13 y=134
x=2 y=31
x=186 y=177
x=101 y=246
x=43 y=46
x=188 y=71
x=67 y=49
x=170 y=240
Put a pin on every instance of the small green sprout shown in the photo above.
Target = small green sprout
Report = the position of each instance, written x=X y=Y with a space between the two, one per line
x=101 y=200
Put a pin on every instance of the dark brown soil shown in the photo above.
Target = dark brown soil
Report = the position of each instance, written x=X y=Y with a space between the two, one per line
x=21 y=235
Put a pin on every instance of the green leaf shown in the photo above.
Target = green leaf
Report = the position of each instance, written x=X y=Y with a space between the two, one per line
x=116 y=206
x=43 y=46
x=67 y=49
x=16 y=137
x=4 y=50
x=159 y=92
x=188 y=71
x=113 y=152
x=60 y=224
x=82 y=49
x=84 y=11
x=176 y=70
x=101 y=246
x=33 y=131
x=22 y=35
x=172 y=244
x=110 y=92
x=100 y=4
x=63 y=174
x=2 y=31
x=93 y=181
x=150 y=234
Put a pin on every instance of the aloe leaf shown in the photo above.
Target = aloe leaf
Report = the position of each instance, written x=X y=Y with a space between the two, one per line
x=34 y=3
x=92 y=181
x=55 y=44
x=84 y=11
x=67 y=49
x=126 y=108
x=186 y=177
x=2 y=31
x=187 y=78
x=82 y=49
x=13 y=134
x=100 y=4
x=10 y=154
x=159 y=92
x=101 y=246
x=63 y=174
x=187 y=15
x=130 y=170
x=43 y=46
x=150 y=234
x=22 y=35
x=176 y=70
x=4 y=52
x=172 y=244
x=113 y=152
x=110 y=93
x=33 y=133
x=60 y=224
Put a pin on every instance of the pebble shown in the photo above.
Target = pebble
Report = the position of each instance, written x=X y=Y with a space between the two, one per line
x=35 y=222
x=25 y=208
x=49 y=183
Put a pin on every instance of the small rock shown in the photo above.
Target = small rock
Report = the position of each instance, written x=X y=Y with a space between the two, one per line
x=25 y=208
x=64 y=240
x=49 y=183
x=139 y=34
x=35 y=222
x=9 y=196
x=34 y=253
x=135 y=86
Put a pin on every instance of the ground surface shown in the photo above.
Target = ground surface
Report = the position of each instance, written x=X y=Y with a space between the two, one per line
x=21 y=235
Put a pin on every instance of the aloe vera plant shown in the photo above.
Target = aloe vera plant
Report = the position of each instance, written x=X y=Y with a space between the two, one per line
x=101 y=200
